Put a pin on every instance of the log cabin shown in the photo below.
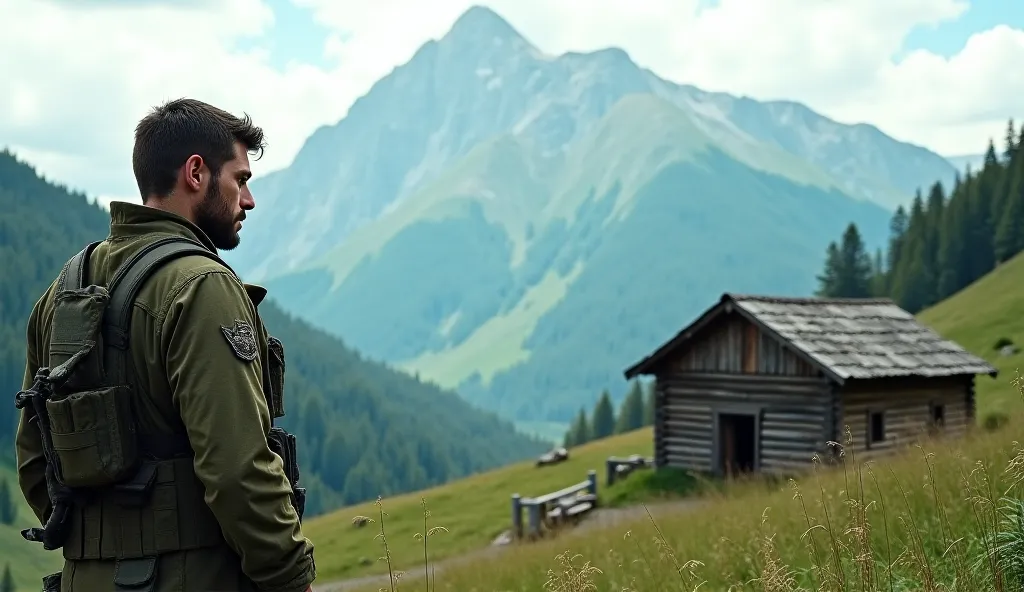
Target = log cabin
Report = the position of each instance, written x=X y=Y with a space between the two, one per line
x=762 y=384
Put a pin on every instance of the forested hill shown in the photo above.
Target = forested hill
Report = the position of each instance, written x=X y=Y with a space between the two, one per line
x=364 y=429
x=41 y=225
x=948 y=239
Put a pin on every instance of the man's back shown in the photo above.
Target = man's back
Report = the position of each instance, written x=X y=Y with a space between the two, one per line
x=198 y=367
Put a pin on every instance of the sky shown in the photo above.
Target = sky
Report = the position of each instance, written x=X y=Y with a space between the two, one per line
x=79 y=74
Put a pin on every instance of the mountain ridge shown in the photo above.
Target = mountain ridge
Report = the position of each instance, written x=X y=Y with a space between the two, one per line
x=471 y=235
x=552 y=99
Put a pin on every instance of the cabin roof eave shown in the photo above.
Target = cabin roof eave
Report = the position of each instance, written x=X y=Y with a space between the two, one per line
x=725 y=305
x=821 y=331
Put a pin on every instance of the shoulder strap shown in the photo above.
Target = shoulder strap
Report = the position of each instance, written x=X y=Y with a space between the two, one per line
x=76 y=270
x=125 y=286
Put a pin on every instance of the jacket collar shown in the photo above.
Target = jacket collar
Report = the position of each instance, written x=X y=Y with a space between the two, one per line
x=132 y=220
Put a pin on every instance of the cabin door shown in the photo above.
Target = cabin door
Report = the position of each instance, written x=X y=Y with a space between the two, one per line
x=737 y=443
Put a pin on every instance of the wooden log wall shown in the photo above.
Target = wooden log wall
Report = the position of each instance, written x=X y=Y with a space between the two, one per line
x=906 y=406
x=734 y=345
x=796 y=418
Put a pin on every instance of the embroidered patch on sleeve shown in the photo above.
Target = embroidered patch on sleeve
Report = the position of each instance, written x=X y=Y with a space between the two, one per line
x=242 y=340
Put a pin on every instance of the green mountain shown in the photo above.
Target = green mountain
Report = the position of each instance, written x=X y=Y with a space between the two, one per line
x=521 y=226
x=529 y=282
x=364 y=428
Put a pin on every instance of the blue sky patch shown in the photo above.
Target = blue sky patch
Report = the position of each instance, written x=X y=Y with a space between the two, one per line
x=294 y=37
x=949 y=38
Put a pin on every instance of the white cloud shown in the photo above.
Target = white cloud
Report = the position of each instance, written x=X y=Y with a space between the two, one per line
x=78 y=78
x=81 y=77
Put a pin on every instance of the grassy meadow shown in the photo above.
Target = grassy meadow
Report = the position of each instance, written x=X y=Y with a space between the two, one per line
x=475 y=511
x=942 y=515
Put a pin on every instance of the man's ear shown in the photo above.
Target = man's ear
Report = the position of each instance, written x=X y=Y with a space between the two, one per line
x=194 y=171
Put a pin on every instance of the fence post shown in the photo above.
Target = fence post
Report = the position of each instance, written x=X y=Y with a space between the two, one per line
x=592 y=482
x=534 y=516
x=517 y=515
x=610 y=466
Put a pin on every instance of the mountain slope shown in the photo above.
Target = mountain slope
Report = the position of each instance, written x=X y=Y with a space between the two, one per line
x=482 y=80
x=364 y=429
x=529 y=282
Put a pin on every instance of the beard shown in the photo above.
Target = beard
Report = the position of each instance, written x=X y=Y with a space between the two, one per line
x=216 y=218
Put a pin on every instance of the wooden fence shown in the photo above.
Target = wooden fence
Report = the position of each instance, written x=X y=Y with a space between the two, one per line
x=554 y=508
x=620 y=468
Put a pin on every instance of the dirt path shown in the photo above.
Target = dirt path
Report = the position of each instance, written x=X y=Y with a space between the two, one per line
x=600 y=518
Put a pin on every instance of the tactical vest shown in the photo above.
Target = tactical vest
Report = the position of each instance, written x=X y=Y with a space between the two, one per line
x=117 y=493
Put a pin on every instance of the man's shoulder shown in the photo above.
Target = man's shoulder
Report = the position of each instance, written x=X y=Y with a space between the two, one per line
x=180 y=274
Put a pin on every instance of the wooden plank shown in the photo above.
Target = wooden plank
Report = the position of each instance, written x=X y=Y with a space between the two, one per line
x=751 y=344
x=731 y=344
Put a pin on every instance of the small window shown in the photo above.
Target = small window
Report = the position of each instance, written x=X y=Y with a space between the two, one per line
x=938 y=415
x=876 y=427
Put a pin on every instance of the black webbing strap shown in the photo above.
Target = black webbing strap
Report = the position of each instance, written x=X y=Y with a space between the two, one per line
x=128 y=280
x=76 y=270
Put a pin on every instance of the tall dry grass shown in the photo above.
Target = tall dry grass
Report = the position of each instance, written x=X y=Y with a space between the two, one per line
x=942 y=516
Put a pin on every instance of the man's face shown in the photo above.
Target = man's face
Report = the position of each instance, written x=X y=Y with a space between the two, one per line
x=227 y=197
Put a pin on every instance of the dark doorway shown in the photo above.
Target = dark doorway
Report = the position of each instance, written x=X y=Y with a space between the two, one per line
x=737 y=437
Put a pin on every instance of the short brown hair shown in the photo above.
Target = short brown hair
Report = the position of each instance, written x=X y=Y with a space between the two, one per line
x=172 y=132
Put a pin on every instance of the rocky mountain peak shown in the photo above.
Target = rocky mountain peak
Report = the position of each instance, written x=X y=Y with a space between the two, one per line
x=481 y=25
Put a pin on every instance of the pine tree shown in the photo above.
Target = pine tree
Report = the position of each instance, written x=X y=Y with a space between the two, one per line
x=1009 y=238
x=579 y=431
x=603 y=424
x=7 y=508
x=831 y=277
x=848 y=268
x=953 y=255
x=878 y=274
x=649 y=392
x=1011 y=142
x=856 y=265
x=631 y=412
x=7 y=581
x=897 y=229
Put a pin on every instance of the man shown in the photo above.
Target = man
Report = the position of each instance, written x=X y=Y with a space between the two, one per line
x=217 y=512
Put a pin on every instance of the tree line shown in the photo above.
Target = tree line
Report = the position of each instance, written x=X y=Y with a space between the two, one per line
x=945 y=241
x=635 y=411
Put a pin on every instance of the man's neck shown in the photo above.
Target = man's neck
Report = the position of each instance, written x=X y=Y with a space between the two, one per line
x=174 y=206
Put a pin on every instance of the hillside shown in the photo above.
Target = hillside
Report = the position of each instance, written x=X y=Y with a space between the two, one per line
x=474 y=511
x=365 y=429
x=975 y=317
x=497 y=236
x=982 y=317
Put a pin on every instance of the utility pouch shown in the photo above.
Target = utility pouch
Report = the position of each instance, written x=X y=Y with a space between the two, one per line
x=76 y=338
x=94 y=436
x=283 y=444
x=276 y=367
x=91 y=425
x=135 y=575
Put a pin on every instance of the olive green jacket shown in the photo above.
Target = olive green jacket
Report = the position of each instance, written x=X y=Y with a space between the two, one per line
x=190 y=380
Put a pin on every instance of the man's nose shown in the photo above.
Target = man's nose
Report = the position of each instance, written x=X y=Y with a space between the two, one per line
x=247 y=202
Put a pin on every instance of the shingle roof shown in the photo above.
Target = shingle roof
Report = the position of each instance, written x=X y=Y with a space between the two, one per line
x=846 y=337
